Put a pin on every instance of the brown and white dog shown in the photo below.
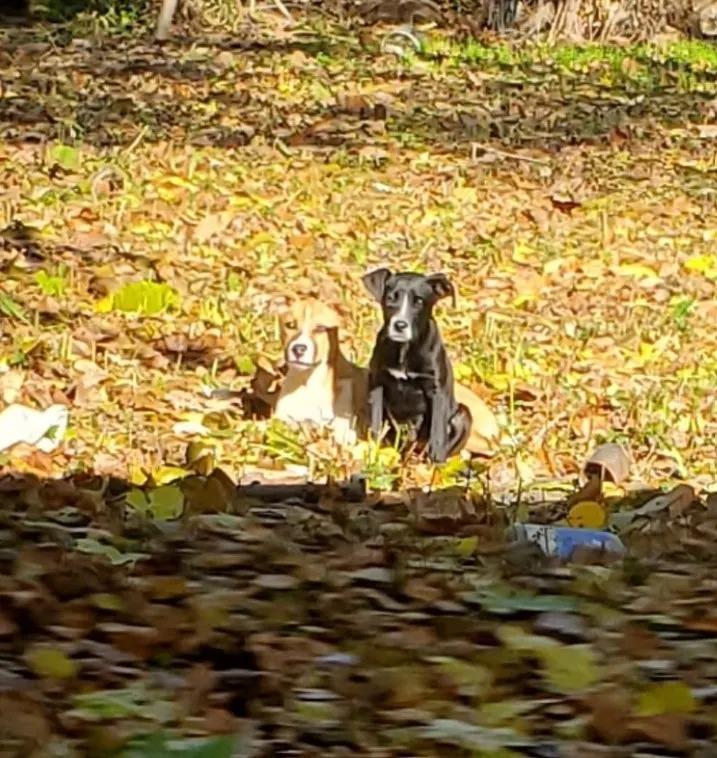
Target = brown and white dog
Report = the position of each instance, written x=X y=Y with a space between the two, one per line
x=321 y=385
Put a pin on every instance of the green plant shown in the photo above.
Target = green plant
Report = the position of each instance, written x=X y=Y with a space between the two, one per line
x=53 y=285
x=682 y=310
x=117 y=12
x=381 y=463
x=145 y=298
x=11 y=309
x=285 y=444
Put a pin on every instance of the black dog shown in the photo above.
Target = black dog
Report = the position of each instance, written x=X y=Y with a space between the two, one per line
x=410 y=376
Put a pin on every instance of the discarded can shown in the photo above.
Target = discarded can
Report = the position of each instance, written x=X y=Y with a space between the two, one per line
x=562 y=541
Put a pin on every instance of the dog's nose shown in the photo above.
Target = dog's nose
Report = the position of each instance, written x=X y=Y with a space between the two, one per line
x=298 y=350
x=400 y=326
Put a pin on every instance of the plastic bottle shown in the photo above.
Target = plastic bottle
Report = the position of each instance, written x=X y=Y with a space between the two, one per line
x=561 y=541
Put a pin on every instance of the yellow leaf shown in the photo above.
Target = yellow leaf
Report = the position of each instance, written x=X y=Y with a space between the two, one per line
x=166 y=474
x=141 y=227
x=612 y=490
x=569 y=668
x=107 y=601
x=467 y=546
x=50 y=663
x=647 y=351
x=553 y=265
x=179 y=181
x=498 y=381
x=389 y=457
x=637 y=271
x=168 y=194
x=429 y=217
x=667 y=697
x=260 y=238
x=526 y=297
x=150 y=228
x=702 y=264
x=241 y=201
x=104 y=305
x=515 y=637
x=587 y=515
x=466 y=194
x=462 y=371
x=136 y=474
x=523 y=253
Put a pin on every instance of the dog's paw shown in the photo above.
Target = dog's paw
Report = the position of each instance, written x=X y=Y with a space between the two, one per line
x=437 y=454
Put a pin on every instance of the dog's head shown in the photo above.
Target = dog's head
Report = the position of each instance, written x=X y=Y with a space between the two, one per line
x=407 y=300
x=309 y=333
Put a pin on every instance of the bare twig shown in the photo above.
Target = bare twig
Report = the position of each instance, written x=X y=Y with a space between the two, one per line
x=475 y=147
x=164 y=19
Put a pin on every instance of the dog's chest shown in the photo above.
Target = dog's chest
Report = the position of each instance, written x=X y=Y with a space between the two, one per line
x=309 y=399
x=316 y=398
x=405 y=395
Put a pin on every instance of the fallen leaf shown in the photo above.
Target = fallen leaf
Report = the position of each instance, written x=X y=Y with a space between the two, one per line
x=668 y=729
x=587 y=515
x=666 y=697
x=50 y=663
x=569 y=668
x=610 y=711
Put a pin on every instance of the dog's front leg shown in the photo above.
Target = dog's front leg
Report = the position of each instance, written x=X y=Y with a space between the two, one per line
x=375 y=410
x=438 y=440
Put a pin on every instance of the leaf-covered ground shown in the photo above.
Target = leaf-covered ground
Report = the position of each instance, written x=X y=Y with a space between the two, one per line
x=569 y=192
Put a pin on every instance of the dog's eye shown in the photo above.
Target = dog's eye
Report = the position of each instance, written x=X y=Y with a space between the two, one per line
x=418 y=300
x=392 y=297
x=320 y=329
x=290 y=324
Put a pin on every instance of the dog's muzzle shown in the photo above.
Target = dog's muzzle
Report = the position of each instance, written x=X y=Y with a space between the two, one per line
x=399 y=330
x=301 y=353
x=399 y=326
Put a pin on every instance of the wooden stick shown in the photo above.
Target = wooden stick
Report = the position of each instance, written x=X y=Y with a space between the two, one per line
x=504 y=154
x=164 y=19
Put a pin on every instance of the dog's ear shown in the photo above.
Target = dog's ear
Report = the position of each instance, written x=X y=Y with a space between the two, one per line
x=278 y=305
x=442 y=287
x=375 y=282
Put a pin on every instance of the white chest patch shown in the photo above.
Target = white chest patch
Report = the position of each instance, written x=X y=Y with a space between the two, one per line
x=317 y=406
x=303 y=405
x=396 y=373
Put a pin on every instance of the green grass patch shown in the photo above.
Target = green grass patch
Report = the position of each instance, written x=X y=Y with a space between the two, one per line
x=640 y=63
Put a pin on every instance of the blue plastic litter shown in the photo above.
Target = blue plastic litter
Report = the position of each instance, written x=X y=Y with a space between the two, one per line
x=562 y=541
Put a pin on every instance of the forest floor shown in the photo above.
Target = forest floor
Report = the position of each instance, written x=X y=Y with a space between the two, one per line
x=157 y=206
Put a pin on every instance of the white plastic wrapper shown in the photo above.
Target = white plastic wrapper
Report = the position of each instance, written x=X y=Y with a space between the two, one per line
x=43 y=430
